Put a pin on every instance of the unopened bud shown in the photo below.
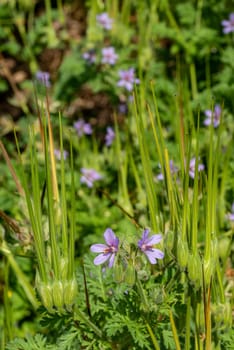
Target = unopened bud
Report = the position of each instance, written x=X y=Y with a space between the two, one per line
x=57 y=292
x=130 y=275
x=45 y=293
x=209 y=265
x=194 y=269
x=169 y=240
x=143 y=275
x=118 y=273
x=182 y=253
x=69 y=293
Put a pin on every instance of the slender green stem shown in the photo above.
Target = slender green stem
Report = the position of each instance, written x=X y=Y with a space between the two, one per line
x=153 y=338
x=63 y=192
x=174 y=331
x=193 y=79
x=187 y=325
x=88 y=322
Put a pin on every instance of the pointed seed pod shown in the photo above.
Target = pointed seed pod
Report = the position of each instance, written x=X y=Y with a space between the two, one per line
x=195 y=269
x=130 y=275
x=182 y=253
x=45 y=293
x=70 y=291
x=57 y=292
x=118 y=273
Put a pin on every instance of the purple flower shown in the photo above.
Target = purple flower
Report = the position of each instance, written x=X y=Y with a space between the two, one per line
x=89 y=176
x=146 y=245
x=215 y=115
x=108 y=250
x=89 y=56
x=108 y=55
x=127 y=79
x=43 y=78
x=173 y=170
x=228 y=26
x=110 y=136
x=192 y=167
x=83 y=128
x=104 y=20
x=57 y=154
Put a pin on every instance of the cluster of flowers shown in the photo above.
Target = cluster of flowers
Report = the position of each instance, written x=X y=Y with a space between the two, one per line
x=108 y=251
x=174 y=169
x=126 y=77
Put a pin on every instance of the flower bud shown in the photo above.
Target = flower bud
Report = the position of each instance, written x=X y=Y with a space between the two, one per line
x=182 y=253
x=57 y=292
x=118 y=273
x=169 y=240
x=45 y=293
x=209 y=265
x=194 y=269
x=69 y=293
x=130 y=275
x=143 y=275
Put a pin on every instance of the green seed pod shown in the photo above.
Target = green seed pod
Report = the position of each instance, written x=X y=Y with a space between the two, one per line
x=130 y=275
x=194 y=269
x=209 y=265
x=57 y=292
x=182 y=253
x=45 y=293
x=118 y=273
x=169 y=241
x=70 y=291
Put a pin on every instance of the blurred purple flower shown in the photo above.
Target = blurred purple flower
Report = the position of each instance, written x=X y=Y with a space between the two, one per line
x=228 y=26
x=57 y=154
x=108 y=250
x=83 y=128
x=173 y=170
x=89 y=56
x=89 y=176
x=146 y=246
x=230 y=216
x=110 y=136
x=104 y=20
x=192 y=167
x=216 y=115
x=127 y=79
x=108 y=55
x=43 y=78
x=123 y=108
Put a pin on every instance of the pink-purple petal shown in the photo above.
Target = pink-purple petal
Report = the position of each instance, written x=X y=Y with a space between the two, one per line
x=101 y=258
x=151 y=257
x=111 y=261
x=98 y=248
x=153 y=239
x=110 y=237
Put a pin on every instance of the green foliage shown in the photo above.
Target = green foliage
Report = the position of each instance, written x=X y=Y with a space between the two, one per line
x=182 y=58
